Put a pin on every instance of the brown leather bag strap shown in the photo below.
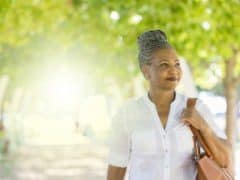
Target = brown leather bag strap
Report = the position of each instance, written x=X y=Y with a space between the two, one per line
x=197 y=154
x=198 y=139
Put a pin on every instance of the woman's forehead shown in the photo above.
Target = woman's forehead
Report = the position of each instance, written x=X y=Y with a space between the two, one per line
x=167 y=54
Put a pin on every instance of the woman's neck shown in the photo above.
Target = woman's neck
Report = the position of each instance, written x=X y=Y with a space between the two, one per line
x=161 y=98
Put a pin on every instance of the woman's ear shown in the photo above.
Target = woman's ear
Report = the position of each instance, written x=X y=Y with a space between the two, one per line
x=145 y=71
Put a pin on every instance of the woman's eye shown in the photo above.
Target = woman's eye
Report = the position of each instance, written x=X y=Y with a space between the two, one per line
x=163 y=65
x=177 y=64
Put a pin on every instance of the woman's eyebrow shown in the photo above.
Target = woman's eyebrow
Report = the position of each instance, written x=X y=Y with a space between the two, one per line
x=162 y=60
x=165 y=60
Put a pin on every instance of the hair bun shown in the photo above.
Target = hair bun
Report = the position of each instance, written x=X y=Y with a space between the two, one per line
x=149 y=41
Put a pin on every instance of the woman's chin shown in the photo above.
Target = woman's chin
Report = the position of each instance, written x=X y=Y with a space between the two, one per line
x=167 y=88
x=170 y=86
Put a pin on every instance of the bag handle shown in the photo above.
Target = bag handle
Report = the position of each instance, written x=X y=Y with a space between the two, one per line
x=198 y=139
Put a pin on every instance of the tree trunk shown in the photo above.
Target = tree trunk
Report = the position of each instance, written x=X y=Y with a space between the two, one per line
x=231 y=96
x=230 y=87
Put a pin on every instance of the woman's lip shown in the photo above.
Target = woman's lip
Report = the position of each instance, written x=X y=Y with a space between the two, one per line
x=172 y=79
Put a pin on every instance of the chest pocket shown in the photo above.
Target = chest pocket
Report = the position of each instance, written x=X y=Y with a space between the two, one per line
x=144 y=142
x=184 y=139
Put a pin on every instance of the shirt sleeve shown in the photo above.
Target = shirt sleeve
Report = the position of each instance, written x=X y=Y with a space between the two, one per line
x=119 y=141
x=209 y=118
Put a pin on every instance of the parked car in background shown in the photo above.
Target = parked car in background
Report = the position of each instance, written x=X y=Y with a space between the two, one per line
x=217 y=105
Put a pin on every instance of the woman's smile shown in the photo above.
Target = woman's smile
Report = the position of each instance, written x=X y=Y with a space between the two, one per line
x=172 y=79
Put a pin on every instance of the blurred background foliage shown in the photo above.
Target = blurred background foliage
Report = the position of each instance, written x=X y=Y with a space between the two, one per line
x=64 y=65
x=99 y=36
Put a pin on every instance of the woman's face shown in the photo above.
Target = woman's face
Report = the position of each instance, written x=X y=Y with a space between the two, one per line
x=163 y=70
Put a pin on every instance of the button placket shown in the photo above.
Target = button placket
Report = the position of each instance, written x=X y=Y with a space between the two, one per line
x=167 y=155
x=166 y=144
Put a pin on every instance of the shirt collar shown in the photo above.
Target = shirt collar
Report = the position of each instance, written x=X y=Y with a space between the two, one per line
x=173 y=113
x=152 y=105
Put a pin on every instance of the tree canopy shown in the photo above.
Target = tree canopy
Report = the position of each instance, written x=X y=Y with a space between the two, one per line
x=100 y=36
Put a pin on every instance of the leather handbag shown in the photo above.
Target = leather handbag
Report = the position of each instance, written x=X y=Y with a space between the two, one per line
x=208 y=168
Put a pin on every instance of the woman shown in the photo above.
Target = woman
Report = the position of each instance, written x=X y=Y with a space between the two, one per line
x=151 y=137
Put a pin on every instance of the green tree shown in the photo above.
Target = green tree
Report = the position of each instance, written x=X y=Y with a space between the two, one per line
x=205 y=32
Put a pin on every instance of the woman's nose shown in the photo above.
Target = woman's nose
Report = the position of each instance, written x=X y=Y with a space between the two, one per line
x=173 y=70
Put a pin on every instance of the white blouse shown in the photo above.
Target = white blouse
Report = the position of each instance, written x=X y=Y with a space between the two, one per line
x=150 y=152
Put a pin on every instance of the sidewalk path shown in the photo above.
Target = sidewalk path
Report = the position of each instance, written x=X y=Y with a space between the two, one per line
x=76 y=162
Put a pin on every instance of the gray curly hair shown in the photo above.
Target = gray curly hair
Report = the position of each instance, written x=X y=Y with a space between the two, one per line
x=148 y=42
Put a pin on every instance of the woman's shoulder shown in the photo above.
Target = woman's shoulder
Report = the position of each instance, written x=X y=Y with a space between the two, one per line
x=200 y=104
x=183 y=98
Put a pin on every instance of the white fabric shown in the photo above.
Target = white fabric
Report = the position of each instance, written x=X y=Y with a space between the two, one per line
x=150 y=152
